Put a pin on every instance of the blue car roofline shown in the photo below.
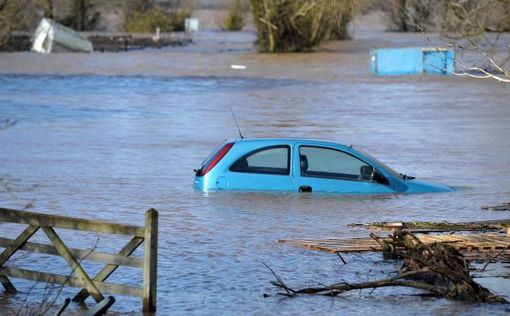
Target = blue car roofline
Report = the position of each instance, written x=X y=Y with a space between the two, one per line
x=287 y=139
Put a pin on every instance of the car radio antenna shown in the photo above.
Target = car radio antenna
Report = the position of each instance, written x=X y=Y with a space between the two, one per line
x=235 y=120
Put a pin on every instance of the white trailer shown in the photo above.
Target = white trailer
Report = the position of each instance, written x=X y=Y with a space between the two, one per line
x=50 y=36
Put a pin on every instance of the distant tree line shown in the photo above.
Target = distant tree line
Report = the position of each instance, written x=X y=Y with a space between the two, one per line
x=89 y=15
x=282 y=25
x=452 y=16
x=23 y=15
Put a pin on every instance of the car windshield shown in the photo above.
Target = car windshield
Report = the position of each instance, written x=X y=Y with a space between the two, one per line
x=380 y=163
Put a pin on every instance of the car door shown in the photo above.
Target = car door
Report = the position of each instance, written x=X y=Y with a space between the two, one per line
x=325 y=169
x=266 y=168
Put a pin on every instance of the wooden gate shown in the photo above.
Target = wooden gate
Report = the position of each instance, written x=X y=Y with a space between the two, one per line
x=89 y=285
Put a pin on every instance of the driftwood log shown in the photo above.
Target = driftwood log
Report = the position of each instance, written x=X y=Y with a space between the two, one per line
x=436 y=268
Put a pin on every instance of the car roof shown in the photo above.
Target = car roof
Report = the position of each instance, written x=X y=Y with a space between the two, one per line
x=290 y=141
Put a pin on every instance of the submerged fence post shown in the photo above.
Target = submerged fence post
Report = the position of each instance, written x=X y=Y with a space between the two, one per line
x=150 y=260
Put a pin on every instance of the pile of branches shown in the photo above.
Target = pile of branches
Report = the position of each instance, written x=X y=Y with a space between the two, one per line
x=436 y=268
x=299 y=25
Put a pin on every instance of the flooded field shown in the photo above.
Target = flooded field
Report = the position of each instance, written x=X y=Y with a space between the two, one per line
x=106 y=136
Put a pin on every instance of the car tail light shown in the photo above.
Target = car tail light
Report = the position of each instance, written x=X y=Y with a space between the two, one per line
x=213 y=159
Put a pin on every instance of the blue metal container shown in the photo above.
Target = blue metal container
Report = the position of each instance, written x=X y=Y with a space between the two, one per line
x=410 y=61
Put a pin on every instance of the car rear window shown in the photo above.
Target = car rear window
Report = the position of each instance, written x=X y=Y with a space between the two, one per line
x=268 y=160
x=213 y=159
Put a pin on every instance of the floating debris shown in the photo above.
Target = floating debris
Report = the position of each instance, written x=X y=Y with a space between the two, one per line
x=476 y=247
x=191 y=25
x=502 y=207
x=123 y=42
x=434 y=267
x=490 y=242
x=420 y=226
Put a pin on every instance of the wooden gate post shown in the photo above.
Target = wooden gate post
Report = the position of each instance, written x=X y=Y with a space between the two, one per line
x=150 y=259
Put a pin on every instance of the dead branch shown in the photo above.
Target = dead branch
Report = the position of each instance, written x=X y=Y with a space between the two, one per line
x=489 y=58
x=335 y=289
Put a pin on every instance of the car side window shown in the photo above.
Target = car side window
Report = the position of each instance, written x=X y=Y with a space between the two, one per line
x=269 y=160
x=329 y=163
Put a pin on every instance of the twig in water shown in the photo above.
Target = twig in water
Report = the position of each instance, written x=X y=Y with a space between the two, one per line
x=340 y=256
x=279 y=283
x=7 y=123
x=492 y=259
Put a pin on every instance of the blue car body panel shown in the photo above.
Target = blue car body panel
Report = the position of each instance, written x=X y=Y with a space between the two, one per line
x=221 y=177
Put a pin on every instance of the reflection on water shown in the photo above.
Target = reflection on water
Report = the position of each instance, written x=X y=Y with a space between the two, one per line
x=109 y=147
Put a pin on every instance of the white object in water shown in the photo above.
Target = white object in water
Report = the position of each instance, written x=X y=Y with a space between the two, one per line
x=238 y=66
x=156 y=37
x=191 y=25
x=50 y=34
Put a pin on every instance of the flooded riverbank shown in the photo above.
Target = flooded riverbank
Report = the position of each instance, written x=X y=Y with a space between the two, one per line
x=106 y=136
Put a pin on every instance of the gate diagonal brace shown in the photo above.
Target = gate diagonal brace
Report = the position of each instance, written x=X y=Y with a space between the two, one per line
x=11 y=250
x=73 y=263
x=108 y=269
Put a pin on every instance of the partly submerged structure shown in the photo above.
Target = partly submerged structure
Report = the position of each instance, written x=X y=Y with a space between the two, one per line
x=410 y=61
x=51 y=36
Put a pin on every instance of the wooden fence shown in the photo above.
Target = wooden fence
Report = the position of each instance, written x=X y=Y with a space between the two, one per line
x=89 y=285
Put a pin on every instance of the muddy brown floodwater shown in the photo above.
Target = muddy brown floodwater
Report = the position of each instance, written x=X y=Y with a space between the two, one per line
x=106 y=136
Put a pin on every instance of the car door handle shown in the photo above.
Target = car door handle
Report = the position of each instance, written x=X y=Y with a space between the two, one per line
x=305 y=188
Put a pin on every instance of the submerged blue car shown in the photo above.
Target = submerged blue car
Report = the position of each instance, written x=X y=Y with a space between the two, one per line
x=302 y=165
